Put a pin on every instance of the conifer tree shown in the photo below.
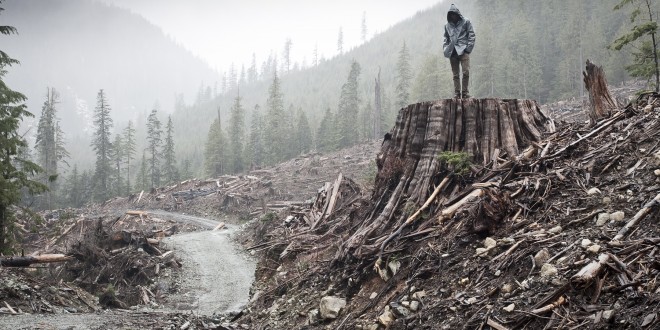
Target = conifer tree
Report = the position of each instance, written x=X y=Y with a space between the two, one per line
x=215 y=149
x=49 y=145
x=403 y=76
x=129 y=152
x=255 y=147
x=73 y=189
x=142 y=179
x=170 y=171
x=15 y=171
x=428 y=83
x=303 y=133
x=325 y=137
x=154 y=141
x=363 y=27
x=340 y=41
x=286 y=55
x=252 y=73
x=275 y=136
x=117 y=163
x=236 y=136
x=102 y=146
x=349 y=107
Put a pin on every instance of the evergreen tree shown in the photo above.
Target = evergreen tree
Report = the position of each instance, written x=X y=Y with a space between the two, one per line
x=142 y=179
x=170 y=171
x=646 y=57
x=50 y=145
x=215 y=151
x=303 y=133
x=349 y=106
x=367 y=122
x=403 y=76
x=129 y=152
x=275 y=136
x=102 y=146
x=236 y=136
x=428 y=85
x=15 y=171
x=154 y=141
x=255 y=147
x=363 y=27
x=73 y=189
x=117 y=162
x=86 y=188
x=186 y=172
x=325 y=137
x=286 y=55
x=252 y=73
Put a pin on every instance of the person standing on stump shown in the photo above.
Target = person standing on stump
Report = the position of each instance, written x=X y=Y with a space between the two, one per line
x=457 y=46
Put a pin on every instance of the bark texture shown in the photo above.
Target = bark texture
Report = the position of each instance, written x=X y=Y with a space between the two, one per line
x=487 y=130
x=602 y=103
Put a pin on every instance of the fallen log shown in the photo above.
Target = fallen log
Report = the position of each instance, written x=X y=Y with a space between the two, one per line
x=29 y=260
x=639 y=216
x=138 y=213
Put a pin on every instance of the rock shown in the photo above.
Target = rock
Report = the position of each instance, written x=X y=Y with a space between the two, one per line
x=617 y=216
x=608 y=314
x=394 y=266
x=585 y=242
x=594 y=249
x=399 y=311
x=507 y=288
x=607 y=200
x=405 y=303
x=481 y=252
x=657 y=172
x=330 y=307
x=489 y=243
x=419 y=295
x=548 y=270
x=555 y=230
x=603 y=218
x=373 y=295
x=471 y=300
x=656 y=158
x=498 y=272
x=386 y=318
x=510 y=308
x=648 y=319
x=542 y=256
x=593 y=191
x=414 y=305
x=313 y=316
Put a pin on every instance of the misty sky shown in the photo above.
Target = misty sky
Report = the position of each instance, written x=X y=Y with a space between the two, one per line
x=226 y=31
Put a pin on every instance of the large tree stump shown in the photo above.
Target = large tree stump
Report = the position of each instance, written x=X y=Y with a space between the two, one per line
x=602 y=102
x=408 y=165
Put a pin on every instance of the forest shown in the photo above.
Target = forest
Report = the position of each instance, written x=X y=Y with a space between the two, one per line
x=270 y=111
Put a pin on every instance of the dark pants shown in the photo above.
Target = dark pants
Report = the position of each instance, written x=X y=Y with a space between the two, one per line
x=464 y=61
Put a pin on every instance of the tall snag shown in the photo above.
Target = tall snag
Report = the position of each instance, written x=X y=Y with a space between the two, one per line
x=602 y=103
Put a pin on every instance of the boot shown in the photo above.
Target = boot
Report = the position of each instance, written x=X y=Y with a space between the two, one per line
x=466 y=95
x=457 y=95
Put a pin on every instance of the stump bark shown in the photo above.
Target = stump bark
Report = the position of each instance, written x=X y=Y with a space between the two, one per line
x=487 y=130
x=602 y=102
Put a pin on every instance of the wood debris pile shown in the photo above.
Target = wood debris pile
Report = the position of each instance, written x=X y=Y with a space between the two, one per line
x=563 y=233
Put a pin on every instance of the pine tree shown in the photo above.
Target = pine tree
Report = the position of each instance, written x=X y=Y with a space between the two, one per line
x=286 y=55
x=349 y=107
x=215 y=150
x=236 y=136
x=73 y=189
x=428 y=85
x=403 y=76
x=50 y=145
x=275 y=136
x=646 y=58
x=129 y=152
x=303 y=133
x=186 y=172
x=325 y=137
x=142 y=179
x=154 y=141
x=117 y=151
x=15 y=171
x=252 y=73
x=170 y=171
x=102 y=146
x=363 y=27
x=255 y=147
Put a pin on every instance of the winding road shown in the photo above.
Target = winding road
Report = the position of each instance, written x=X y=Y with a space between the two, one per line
x=215 y=278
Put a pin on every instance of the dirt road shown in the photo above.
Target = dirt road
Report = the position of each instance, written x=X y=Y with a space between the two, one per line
x=216 y=275
x=215 y=278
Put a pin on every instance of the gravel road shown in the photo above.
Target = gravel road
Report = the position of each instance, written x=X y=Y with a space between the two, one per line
x=215 y=278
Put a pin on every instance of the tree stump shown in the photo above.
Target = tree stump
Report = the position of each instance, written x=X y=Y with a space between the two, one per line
x=408 y=164
x=602 y=103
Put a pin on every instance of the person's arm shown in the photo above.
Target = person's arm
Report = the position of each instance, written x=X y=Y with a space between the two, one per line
x=447 y=40
x=471 y=37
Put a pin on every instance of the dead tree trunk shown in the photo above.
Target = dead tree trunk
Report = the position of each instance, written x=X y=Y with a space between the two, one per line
x=602 y=103
x=29 y=260
x=487 y=130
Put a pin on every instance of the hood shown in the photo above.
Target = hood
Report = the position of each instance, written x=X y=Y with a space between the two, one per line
x=454 y=9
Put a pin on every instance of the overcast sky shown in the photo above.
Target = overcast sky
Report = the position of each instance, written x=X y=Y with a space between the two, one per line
x=229 y=31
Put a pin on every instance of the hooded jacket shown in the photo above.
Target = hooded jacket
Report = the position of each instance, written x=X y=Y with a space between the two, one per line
x=459 y=36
